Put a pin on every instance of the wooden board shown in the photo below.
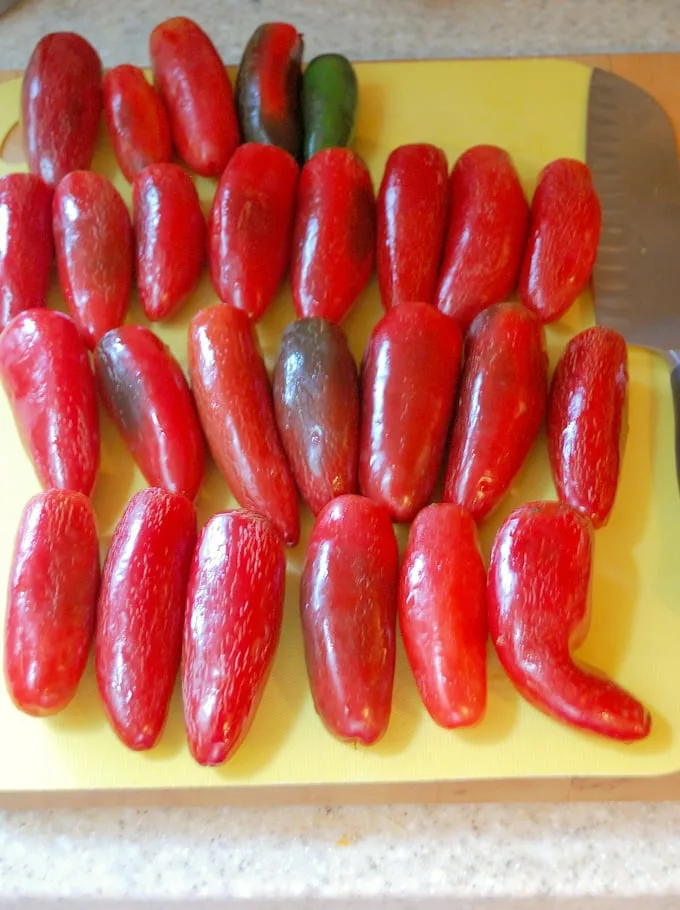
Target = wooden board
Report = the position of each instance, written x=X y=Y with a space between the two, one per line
x=536 y=109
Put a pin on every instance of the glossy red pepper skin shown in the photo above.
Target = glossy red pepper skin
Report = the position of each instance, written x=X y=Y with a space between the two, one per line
x=170 y=233
x=412 y=217
x=95 y=252
x=316 y=403
x=268 y=87
x=137 y=121
x=488 y=224
x=194 y=85
x=502 y=404
x=48 y=380
x=146 y=395
x=26 y=247
x=234 y=399
x=586 y=416
x=334 y=234
x=61 y=103
x=442 y=614
x=566 y=219
x=538 y=598
x=231 y=630
x=51 y=601
x=409 y=378
x=140 y=613
x=348 y=601
x=251 y=226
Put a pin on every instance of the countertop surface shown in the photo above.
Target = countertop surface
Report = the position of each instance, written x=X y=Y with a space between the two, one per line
x=576 y=855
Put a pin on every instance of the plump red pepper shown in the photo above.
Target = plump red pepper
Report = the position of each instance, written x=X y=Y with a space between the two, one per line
x=586 y=421
x=193 y=82
x=136 y=119
x=268 y=87
x=61 y=102
x=409 y=378
x=348 y=599
x=26 y=248
x=316 y=403
x=48 y=380
x=51 y=602
x=487 y=234
x=140 y=613
x=539 y=610
x=566 y=219
x=145 y=393
x=412 y=216
x=502 y=404
x=234 y=399
x=442 y=614
x=251 y=226
x=231 y=630
x=170 y=234
x=94 y=246
x=334 y=234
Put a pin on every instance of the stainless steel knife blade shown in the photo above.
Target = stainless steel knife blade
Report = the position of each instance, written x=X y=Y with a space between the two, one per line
x=631 y=152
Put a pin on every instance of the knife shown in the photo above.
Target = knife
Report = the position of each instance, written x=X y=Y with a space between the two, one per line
x=631 y=152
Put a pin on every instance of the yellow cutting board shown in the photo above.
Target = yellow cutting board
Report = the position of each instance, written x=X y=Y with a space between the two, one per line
x=536 y=109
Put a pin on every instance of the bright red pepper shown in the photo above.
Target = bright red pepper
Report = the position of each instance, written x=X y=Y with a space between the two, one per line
x=251 y=226
x=268 y=87
x=170 y=234
x=334 y=234
x=140 y=613
x=26 y=248
x=193 y=82
x=348 y=599
x=409 y=379
x=412 y=215
x=51 y=602
x=61 y=102
x=316 y=403
x=232 y=391
x=538 y=598
x=146 y=395
x=585 y=421
x=231 y=630
x=566 y=219
x=136 y=119
x=94 y=246
x=502 y=404
x=487 y=234
x=48 y=380
x=442 y=614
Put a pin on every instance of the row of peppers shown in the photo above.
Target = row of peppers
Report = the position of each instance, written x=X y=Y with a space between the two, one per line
x=313 y=436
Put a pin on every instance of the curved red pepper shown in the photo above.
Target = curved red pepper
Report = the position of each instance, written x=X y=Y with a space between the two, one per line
x=140 y=613
x=585 y=421
x=412 y=215
x=251 y=226
x=51 y=602
x=26 y=247
x=94 y=246
x=137 y=120
x=487 y=234
x=538 y=597
x=348 y=601
x=47 y=377
x=231 y=630
x=442 y=614
x=234 y=399
x=146 y=395
x=409 y=379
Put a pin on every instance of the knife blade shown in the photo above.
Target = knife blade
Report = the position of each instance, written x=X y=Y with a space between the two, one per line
x=631 y=152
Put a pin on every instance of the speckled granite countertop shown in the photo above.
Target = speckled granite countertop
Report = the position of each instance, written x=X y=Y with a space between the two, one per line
x=600 y=855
